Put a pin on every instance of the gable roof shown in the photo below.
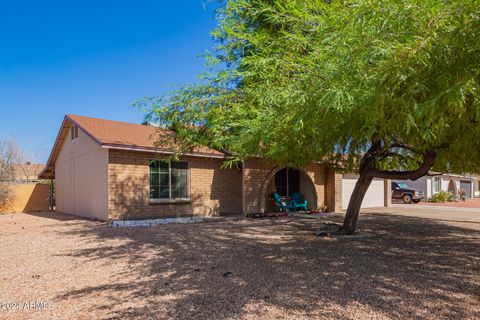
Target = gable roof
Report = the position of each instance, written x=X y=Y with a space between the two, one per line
x=117 y=135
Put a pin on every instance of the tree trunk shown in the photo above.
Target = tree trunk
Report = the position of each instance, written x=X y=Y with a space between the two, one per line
x=353 y=210
x=368 y=171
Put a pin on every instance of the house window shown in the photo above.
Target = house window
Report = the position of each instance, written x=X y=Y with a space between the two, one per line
x=74 y=132
x=287 y=181
x=436 y=184
x=169 y=180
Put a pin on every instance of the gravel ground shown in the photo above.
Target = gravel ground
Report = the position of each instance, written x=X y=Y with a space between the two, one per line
x=247 y=269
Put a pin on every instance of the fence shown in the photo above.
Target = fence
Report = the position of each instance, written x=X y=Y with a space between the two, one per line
x=24 y=197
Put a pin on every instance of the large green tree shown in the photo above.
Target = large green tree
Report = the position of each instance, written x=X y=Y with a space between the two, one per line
x=388 y=88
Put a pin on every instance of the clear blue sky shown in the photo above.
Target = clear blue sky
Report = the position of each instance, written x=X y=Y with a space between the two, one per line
x=92 y=58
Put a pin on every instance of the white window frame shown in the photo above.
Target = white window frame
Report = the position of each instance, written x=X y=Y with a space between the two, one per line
x=170 y=199
x=439 y=185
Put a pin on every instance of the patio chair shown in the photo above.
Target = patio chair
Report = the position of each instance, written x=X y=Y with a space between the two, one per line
x=281 y=204
x=299 y=202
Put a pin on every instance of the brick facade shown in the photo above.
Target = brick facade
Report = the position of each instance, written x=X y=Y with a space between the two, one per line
x=333 y=190
x=387 y=196
x=98 y=179
x=257 y=179
x=213 y=191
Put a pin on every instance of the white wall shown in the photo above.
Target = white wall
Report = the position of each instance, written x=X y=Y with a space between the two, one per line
x=426 y=182
x=374 y=197
x=81 y=178
x=429 y=190
x=456 y=179
x=445 y=182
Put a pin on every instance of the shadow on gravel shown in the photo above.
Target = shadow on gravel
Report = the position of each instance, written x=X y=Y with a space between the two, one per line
x=59 y=216
x=415 y=268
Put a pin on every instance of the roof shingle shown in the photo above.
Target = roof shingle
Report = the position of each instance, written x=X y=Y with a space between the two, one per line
x=121 y=135
x=117 y=133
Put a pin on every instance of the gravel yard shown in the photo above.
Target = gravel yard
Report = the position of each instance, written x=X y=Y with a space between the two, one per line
x=247 y=269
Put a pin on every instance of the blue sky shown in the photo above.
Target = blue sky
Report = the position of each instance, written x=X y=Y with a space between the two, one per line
x=92 y=58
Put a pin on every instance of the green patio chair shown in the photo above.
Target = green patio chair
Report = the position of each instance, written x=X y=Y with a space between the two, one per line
x=281 y=204
x=299 y=202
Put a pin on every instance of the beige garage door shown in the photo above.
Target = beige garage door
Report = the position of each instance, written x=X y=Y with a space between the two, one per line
x=373 y=197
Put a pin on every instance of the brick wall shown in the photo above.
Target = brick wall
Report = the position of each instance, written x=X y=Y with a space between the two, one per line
x=334 y=190
x=257 y=177
x=213 y=190
x=387 y=196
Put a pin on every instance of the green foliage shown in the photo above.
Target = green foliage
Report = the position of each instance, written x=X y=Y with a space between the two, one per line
x=295 y=81
x=443 y=196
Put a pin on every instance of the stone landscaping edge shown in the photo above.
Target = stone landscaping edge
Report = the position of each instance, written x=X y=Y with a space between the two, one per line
x=152 y=222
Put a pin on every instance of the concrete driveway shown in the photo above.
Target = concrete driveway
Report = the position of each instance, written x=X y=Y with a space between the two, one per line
x=430 y=212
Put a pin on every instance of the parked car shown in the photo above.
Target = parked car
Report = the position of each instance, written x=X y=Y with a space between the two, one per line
x=401 y=191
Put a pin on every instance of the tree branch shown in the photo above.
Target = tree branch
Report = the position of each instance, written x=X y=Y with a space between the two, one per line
x=402 y=157
x=368 y=160
x=423 y=169
x=402 y=145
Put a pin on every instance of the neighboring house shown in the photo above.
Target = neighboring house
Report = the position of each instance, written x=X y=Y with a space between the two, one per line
x=109 y=170
x=27 y=172
x=23 y=191
x=433 y=184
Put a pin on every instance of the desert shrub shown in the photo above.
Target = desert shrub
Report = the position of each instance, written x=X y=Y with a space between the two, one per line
x=451 y=196
x=5 y=197
x=443 y=196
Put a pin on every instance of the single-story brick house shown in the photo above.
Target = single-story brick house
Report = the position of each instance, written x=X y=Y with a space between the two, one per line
x=107 y=170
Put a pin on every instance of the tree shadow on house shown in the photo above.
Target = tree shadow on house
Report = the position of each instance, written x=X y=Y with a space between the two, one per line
x=225 y=193
x=130 y=199
x=414 y=268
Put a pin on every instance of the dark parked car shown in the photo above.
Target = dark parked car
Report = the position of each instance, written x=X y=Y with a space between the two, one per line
x=401 y=191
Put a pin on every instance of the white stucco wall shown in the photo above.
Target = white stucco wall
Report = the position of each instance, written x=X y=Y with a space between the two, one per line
x=81 y=178
x=456 y=179
x=429 y=190
x=426 y=183
x=445 y=182
x=476 y=188
x=457 y=184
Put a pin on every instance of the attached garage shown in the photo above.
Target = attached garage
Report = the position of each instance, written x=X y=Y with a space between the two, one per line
x=466 y=186
x=374 y=196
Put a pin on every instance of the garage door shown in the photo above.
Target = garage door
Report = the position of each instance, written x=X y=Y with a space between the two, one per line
x=373 y=197
x=466 y=186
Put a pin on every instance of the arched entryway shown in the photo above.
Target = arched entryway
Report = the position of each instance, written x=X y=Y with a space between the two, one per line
x=452 y=187
x=287 y=181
